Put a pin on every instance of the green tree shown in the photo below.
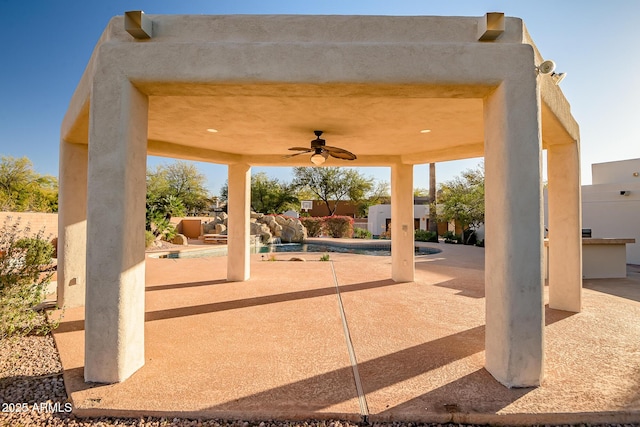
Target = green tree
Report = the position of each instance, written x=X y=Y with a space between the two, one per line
x=333 y=183
x=380 y=193
x=420 y=192
x=180 y=180
x=462 y=198
x=268 y=195
x=433 y=200
x=22 y=189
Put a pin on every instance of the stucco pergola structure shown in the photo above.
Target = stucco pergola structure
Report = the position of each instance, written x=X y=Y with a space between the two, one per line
x=372 y=84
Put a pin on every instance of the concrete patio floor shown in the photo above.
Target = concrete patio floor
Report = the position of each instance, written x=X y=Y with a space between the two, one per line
x=276 y=347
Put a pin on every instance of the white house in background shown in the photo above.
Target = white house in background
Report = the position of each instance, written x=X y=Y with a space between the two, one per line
x=379 y=218
x=611 y=205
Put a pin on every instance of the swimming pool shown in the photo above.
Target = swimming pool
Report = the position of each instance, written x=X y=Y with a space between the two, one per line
x=361 y=249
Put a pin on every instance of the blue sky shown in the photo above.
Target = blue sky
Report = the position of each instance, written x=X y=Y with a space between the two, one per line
x=45 y=46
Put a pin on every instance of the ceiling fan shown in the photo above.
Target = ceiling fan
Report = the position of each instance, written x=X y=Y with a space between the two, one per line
x=321 y=151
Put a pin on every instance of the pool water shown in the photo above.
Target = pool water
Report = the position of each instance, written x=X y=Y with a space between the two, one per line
x=302 y=247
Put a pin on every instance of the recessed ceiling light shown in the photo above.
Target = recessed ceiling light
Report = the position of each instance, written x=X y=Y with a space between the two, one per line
x=425 y=131
x=212 y=130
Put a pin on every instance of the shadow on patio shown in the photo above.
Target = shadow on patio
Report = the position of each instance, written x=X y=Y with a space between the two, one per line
x=274 y=348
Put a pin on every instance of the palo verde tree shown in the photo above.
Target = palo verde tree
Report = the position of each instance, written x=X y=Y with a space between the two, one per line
x=268 y=195
x=180 y=180
x=22 y=189
x=333 y=184
x=173 y=190
x=462 y=198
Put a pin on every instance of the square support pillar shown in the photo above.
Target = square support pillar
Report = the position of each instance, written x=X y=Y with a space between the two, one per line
x=565 y=225
x=402 y=233
x=114 y=310
x=514 y=337
x=239 y=210
x=72 y=224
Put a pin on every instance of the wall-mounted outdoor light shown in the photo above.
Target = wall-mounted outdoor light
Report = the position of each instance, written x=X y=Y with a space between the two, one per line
x=558 y=77
x=625 y=192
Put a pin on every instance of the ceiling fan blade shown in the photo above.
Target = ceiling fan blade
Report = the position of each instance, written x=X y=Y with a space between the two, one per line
x=300 y=149
x=297 y=154
x=340 y=153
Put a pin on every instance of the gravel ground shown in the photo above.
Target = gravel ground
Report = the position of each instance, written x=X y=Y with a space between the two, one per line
x=32 y=394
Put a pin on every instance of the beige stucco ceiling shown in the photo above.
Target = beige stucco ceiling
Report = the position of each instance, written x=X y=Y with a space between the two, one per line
x=376 y=123
x=367 y=125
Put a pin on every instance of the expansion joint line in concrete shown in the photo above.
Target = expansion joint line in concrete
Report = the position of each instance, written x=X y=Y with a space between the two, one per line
x=362 y=400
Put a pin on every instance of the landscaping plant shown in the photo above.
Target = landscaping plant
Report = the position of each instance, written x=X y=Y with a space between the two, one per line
x=361 y=233
x=426 y=236
x=313 y=224
x=450 y=237
x=26 y=269
x=339 y=226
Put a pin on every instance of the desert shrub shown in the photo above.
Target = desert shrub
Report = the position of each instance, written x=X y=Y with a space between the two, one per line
x=339 y=226
x=160 y=226
x=361 y=233
x=426 y=236
x=450 y=237
x=25 y=271
x=149 y=238
x=313 y=224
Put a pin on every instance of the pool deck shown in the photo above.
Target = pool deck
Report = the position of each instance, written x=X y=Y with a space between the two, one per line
x=280 y=346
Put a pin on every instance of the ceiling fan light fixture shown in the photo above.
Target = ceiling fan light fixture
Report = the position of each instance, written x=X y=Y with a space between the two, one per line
x=319 y=157
x=321 y=151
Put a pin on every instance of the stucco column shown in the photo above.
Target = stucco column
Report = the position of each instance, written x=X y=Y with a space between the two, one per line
x=72 y=224
x=114 y=311
x=565 y=224
x=239 y=211
x=402 y=237
x=513 y=227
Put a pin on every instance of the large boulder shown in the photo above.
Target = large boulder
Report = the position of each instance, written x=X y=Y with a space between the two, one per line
x=292 y=230
x=209 y=227
x=274 y=227
x=180 y=239
x=261 y=230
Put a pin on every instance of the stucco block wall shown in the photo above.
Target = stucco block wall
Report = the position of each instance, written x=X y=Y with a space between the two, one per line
x=609 y=214
x=36 y=220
